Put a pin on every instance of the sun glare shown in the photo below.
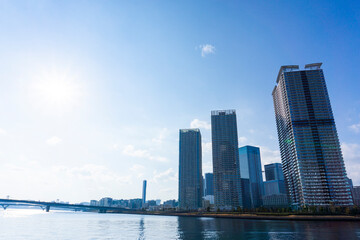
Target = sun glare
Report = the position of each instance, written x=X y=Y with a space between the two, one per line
x=55 y=90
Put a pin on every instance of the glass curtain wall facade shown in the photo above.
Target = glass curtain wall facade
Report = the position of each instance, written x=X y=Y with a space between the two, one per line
x=209 y=183
x=312 y=161
x=275 y=189
x=190 y=169
x=273 y=171
x=227 y=186
x=250 y=168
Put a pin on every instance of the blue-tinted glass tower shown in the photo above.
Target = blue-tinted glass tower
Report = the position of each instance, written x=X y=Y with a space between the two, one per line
x=209 y=184
x=250 y=168
x=273 y=171
x=312 y=161
x=246 y=193
x=274 y=186
x=275 y=182
x=190 y=169
x=227 y=186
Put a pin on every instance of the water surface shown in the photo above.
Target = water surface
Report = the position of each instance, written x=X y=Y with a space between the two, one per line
x=37 y=224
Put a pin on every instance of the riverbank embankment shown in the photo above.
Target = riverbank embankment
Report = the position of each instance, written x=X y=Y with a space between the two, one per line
x=259 y=216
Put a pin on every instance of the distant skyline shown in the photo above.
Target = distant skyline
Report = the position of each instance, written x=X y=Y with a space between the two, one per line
x=93 y=93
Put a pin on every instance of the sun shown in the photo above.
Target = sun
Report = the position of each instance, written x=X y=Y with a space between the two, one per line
x=56 y=90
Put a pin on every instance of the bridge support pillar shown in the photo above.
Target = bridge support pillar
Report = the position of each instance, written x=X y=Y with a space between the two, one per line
x=47 y=208
x=5 y=206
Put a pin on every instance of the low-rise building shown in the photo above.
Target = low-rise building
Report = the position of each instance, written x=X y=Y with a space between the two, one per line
x=106 y=202
x=356 y=195
x=276 y=201
x=135 y=203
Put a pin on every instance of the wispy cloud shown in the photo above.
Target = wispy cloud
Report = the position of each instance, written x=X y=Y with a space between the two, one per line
x=207 y=49
x=92 y=179
x=242 y=140
x=98 y=173
x=53 y=141
x=2 y=132
x=252 y=131
x=206 y=147
x=115 y=146
x=167 y=175
x=130 y=150
x=269 y=155
x=355 y=128
x=138 y=169
x=161 y=136
x=351 y=152
x=207 y=167
x=196 y=123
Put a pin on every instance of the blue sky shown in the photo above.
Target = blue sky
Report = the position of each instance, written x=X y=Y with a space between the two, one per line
x=93 y=93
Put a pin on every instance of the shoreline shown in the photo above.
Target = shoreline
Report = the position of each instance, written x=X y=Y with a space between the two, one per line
x=290 y=217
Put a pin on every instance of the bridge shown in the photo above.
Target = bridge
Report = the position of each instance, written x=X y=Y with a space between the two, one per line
x=5 y=203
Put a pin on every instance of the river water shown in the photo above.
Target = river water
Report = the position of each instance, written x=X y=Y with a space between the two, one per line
x=37 y=224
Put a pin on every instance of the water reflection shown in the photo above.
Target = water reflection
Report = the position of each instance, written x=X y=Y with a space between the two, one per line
x=141 y=229
x=70 y=225
x=221 y=228
x=190 y=228
x=331 y=230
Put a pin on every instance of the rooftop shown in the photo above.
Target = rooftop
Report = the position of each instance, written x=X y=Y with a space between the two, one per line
x=190 y=130
x=291 y=68
x=223 y=112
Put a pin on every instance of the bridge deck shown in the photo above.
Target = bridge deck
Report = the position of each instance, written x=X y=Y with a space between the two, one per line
x=47 y=205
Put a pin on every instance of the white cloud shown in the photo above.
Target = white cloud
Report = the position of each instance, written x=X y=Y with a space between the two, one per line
x=166 y=190
x=355 y=128
x=207 y=49
x=351 y=152
x=2 y=132
x=269 y=156
x=115 y=146
x=54 y=140
x=137 y=167
x=271 y=137
x=161 y=136
x=84 y=181
x=167 y=175
x=130 y=150
x=207 y=167
x=196 y=123
x=97 y=173
x=138 y=170
x=242 y=140
x=252 y=131
x=206 y=147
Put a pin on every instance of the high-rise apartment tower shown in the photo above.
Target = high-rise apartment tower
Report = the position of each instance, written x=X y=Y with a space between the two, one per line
x=311 y=157
x=227 y=185
x=190 y=169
